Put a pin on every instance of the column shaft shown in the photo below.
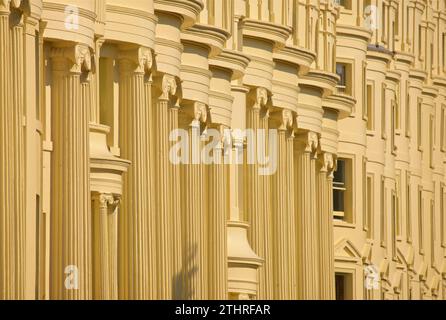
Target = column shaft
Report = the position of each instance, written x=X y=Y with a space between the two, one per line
x=167 y=199
x=194 y=224
x=12 y=167
x=280 y=224
x=134 y=248
x=71 y=220
x=306 y=222
x=217 y=212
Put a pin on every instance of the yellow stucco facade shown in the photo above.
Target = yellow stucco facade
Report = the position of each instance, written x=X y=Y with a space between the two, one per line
x=325 y=123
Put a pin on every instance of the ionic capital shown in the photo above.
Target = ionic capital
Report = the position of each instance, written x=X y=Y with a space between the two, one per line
x=5 y=5
x=284 y=118
x=141 y=57
x=79 y=56
x=200 y=112
x=311 y=140
x=108 y=201
x=168 y=86
x=261 y=98
x=328 y=161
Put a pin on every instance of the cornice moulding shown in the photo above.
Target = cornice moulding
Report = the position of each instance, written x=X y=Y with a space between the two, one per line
x=213 y=37
x=296 y=55
x=324 y=80
x=188 y=10
x=278 y=34
x=232 y=60
x=342 y=103
x=132 y=12
x=354 y=31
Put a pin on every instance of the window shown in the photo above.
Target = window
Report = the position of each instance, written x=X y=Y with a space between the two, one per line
x=431 y=140
x=394 y=224
x=344 y=71
x=420 y=43
x=344 y=286
x=443 y=128
x=408 y=209
x=383 y=213
x=364 y=90
x=443 y=52
x=369 y=107
x=347 y=4
x=420 y=220
x=383 y=111
x=369 y=208
x=398 y=219
x=419 y=125
x=393 y=123
x=407 y=110
x=442 y=215
x=433 y=225
x=342 y=189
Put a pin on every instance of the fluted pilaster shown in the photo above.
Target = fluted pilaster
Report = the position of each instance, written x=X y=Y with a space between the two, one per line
x=135 y=220
x=12 y=165
x=105 y=250
x=258 y=210
x=71 y=220
x=194 y=233
x=168 y=217
x=217 y=215
x=306 y=221
x=280 y=211
x=325 y=225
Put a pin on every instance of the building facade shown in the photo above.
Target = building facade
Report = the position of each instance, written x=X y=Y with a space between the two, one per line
x=327 y=126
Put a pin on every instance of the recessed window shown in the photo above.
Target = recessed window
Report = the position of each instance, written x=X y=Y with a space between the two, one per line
x=443 y=128
x=407 y=110
x=419 y=125
x=369 y=107
x=369 y=208
x=431 y=140
x=344 y=286
x=420 y=220
x=408 y=208
x=342 y=191
x=347 y=4
x=383 y=111
x=344 y=71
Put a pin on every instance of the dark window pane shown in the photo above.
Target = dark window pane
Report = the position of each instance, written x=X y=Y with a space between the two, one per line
x=339 y=174
x=338 y=200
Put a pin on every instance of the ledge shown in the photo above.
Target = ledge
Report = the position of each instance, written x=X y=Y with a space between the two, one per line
x=189 y=10
x=278 y=34
x=379 y=53
x=342 y=103
x=403 y=57
x=393 y=75
x=324 y=80
x=298 y=56
x=232 y=60
x=439 y=81
x=430 y=91
x=354 y=32
x=417 y=74
x=213 y=37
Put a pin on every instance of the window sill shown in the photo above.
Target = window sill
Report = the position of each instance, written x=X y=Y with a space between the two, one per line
x=343 y=224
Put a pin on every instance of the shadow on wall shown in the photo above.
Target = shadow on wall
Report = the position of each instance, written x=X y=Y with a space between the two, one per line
x=181 y=288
